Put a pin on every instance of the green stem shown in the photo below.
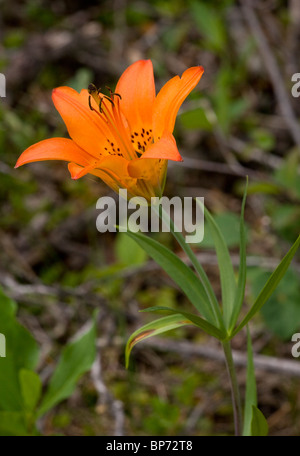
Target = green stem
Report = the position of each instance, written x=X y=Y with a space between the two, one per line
x=235 y=393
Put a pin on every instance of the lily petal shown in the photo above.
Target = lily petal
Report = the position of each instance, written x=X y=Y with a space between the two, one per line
x=137 y=89
x=171 y=97
x=165 y=148
x=142 y=169
x=55 y=149
x=117 y=167
x=85 y=126
x=151 y=170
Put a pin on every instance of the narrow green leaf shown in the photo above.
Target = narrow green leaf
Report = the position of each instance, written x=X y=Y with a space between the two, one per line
x=154 y=328
x=240 y=291
x=77 y=358
x=212 y=300
x=182 y=275
x=270 y=285
x=259 y=425
x=198 y=321
x=12 y=424
x=251 y=396
x=21 y=351
x=31 y=388
x=228 y=283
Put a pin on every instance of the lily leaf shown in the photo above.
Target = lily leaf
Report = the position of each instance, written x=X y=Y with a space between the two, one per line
x=198 y=321
x=77 y=358
x=228 y=283
x=182 y=275
x=259 y=425
x=154 y=328
x=240 y=291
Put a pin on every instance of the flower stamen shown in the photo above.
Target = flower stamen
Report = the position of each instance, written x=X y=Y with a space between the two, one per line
x=101 y=101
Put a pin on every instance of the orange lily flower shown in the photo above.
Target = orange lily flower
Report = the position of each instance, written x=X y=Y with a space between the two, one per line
x=125 y=138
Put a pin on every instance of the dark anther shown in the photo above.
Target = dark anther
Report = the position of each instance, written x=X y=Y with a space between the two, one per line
x=92 y=89
x=109 y=99
x=101 y=101
x=112 y=94
x=90 y=104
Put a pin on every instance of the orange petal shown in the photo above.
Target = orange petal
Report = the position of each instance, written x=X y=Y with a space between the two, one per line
x=85 y=126
x=78 y=171
x=152 y=170
x=142 y=169
x=137 y=89
x=116 y=167
x=165 y=148
x=55 y=149
x=171 y=97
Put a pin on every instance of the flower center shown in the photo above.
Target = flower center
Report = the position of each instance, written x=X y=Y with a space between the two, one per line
x=121 y=140
x=141 y=140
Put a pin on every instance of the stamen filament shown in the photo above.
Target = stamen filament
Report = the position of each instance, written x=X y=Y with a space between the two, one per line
x=115 y=124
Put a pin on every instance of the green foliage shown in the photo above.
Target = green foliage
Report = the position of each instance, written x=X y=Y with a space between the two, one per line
x=21 y=399
x=21 y=353
x=153 y=329
x=182 y=275
x=196 y=119
x=287 y=175
x=164 y=417
x=198 y=321
x=241 y=285
x=229 y=225
x=263 y=139
x=128 y=252
x=281 y=312
x=239 y=103
x=76 y=359
x=259 y=425
x=211 y=24
x=232 y=300
x=227 y=277
x=270 y=286
x=31 y=388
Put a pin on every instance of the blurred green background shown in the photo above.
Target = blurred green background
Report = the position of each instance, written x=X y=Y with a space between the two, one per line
x=240 y=120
